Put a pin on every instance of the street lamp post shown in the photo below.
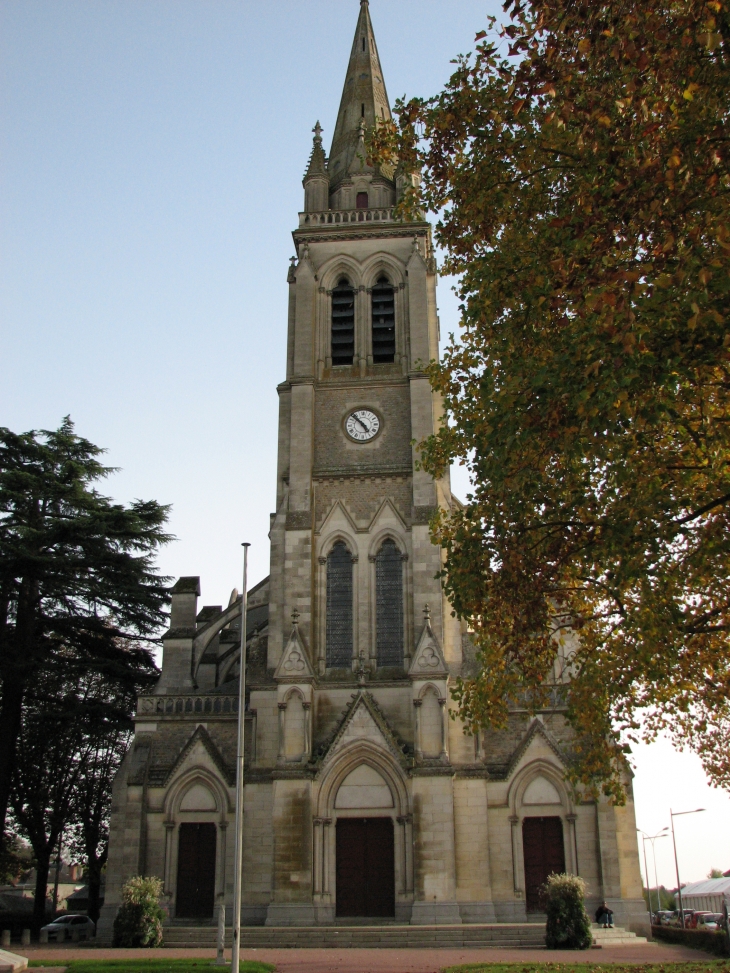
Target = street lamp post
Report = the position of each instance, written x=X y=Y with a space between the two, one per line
x=652 y=838
x=673 y=815
x=646 y=870
x=238 y=852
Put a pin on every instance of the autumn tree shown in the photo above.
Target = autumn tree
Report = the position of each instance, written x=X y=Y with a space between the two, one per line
x=77 y=577
x=578 y=164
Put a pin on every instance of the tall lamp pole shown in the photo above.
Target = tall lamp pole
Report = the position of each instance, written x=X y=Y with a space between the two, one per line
x=646 y=871
x=673 y=815
x=652 y=838
x=238 y=852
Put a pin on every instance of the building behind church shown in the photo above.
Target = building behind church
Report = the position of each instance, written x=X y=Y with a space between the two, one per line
x=363 y=799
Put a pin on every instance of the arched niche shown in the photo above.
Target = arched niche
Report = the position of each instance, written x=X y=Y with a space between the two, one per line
x=198 y=797
x=363 y=788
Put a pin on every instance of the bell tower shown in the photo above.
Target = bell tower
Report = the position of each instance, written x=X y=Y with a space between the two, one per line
x=350 y=545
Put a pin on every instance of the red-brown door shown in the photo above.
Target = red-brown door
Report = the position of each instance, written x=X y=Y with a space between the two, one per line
x=365 y=867
x=196 y=871
x=542 y=845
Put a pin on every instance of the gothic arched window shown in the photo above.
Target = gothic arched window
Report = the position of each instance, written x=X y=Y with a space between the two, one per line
x=343 y=323
x=339 y=607
x=383 y=322
x=389 y=605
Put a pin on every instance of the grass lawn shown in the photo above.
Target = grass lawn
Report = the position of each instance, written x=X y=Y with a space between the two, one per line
x=702 y=966
x=150 y=965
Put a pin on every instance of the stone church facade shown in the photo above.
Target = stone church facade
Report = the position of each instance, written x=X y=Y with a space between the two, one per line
x=363 y=798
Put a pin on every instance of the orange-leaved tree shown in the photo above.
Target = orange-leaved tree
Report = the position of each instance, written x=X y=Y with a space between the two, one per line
x=578 y=164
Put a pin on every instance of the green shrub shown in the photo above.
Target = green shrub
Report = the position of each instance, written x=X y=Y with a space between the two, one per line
x=711 y=942
x=139 y=919
x=568 y=925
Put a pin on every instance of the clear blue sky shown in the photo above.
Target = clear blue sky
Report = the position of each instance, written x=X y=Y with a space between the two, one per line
x=152 y=156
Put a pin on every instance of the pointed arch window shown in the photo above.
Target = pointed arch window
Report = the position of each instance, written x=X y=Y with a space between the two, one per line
x=343 y=323
x=389 y=605
x=339 y=607
x=383 y=321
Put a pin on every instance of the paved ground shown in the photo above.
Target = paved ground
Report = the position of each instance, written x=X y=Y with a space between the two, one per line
x=383 y=960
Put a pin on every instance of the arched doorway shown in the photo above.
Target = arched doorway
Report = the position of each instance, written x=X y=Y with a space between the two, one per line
x=544 y=853
x=364 y=846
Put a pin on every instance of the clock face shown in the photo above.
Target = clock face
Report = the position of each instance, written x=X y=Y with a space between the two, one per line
x=362 y=425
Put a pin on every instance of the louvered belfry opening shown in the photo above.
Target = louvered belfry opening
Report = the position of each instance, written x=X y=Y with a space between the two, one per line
x=389 y=605
x=343 y=323
x=339 y=607
x=383 y=322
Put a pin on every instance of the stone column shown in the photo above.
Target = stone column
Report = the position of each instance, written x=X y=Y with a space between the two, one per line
x=307 y=707
x=444 y=728
x=222 y=828
x=282 y=731
x=514 y=821
x=406 y=823
x=169 y=837
x=317 y=856
x=417 y=703
x=573 y=841
x=321 y=603
x=326 y=838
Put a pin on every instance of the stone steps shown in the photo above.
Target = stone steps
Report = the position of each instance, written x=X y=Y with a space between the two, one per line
x=386 y=936
x=617 y=936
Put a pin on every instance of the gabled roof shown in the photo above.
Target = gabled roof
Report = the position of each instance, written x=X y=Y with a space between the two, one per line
x=202 y=736
x=294 y=665
x=364 y=97
x=710 y=886
x=363 y=709
x=428 y=659
x=536 y=728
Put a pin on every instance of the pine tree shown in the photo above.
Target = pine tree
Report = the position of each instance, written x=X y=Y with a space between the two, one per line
x=77 y=576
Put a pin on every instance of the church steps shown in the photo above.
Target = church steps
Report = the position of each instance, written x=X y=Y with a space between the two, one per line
x=513 y=935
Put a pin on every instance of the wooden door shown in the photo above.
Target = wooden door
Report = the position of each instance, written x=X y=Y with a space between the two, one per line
x=196 y=871
x=542 y=845
x=365 y=867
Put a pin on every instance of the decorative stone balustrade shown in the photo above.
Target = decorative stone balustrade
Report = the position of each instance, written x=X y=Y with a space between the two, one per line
x=384 y=214
x=192 y=705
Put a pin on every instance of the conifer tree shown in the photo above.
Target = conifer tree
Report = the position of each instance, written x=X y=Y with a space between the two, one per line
x=77 y=578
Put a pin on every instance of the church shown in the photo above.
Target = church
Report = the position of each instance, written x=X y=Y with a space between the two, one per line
x=365 y=801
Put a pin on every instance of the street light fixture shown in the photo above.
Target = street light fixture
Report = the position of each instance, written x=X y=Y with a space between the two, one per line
x=652 y=838
x=238 y=853
x=673 y=815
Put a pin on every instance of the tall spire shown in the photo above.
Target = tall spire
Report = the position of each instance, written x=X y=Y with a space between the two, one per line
x=363 y=98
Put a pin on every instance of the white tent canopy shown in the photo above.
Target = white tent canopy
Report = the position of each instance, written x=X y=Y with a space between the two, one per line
x=707 y=896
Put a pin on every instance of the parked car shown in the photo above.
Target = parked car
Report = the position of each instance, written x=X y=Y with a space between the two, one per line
x=662 y=917
x=696 y=916
x=69 y=926
x=711 y=921
x=676 y=919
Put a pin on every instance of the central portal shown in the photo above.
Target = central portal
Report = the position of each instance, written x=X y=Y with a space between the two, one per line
x=365 y=867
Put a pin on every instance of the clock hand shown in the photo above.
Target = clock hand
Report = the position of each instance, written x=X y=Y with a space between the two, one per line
x=364 y=425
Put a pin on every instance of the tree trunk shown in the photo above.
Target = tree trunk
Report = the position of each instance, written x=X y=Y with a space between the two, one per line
x=41 y=884
x=11 y=713
x=94 y=867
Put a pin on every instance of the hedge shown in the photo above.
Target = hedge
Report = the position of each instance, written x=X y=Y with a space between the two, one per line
x=710 y=942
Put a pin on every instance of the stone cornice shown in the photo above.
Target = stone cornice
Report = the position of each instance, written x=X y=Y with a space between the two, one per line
x=359 y=231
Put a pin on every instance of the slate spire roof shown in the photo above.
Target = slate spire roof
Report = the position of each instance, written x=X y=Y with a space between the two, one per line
x=363 y=97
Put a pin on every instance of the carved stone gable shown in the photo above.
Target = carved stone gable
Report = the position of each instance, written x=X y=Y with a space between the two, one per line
x=363 y=721
x=294 y=665
x=428 y=659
